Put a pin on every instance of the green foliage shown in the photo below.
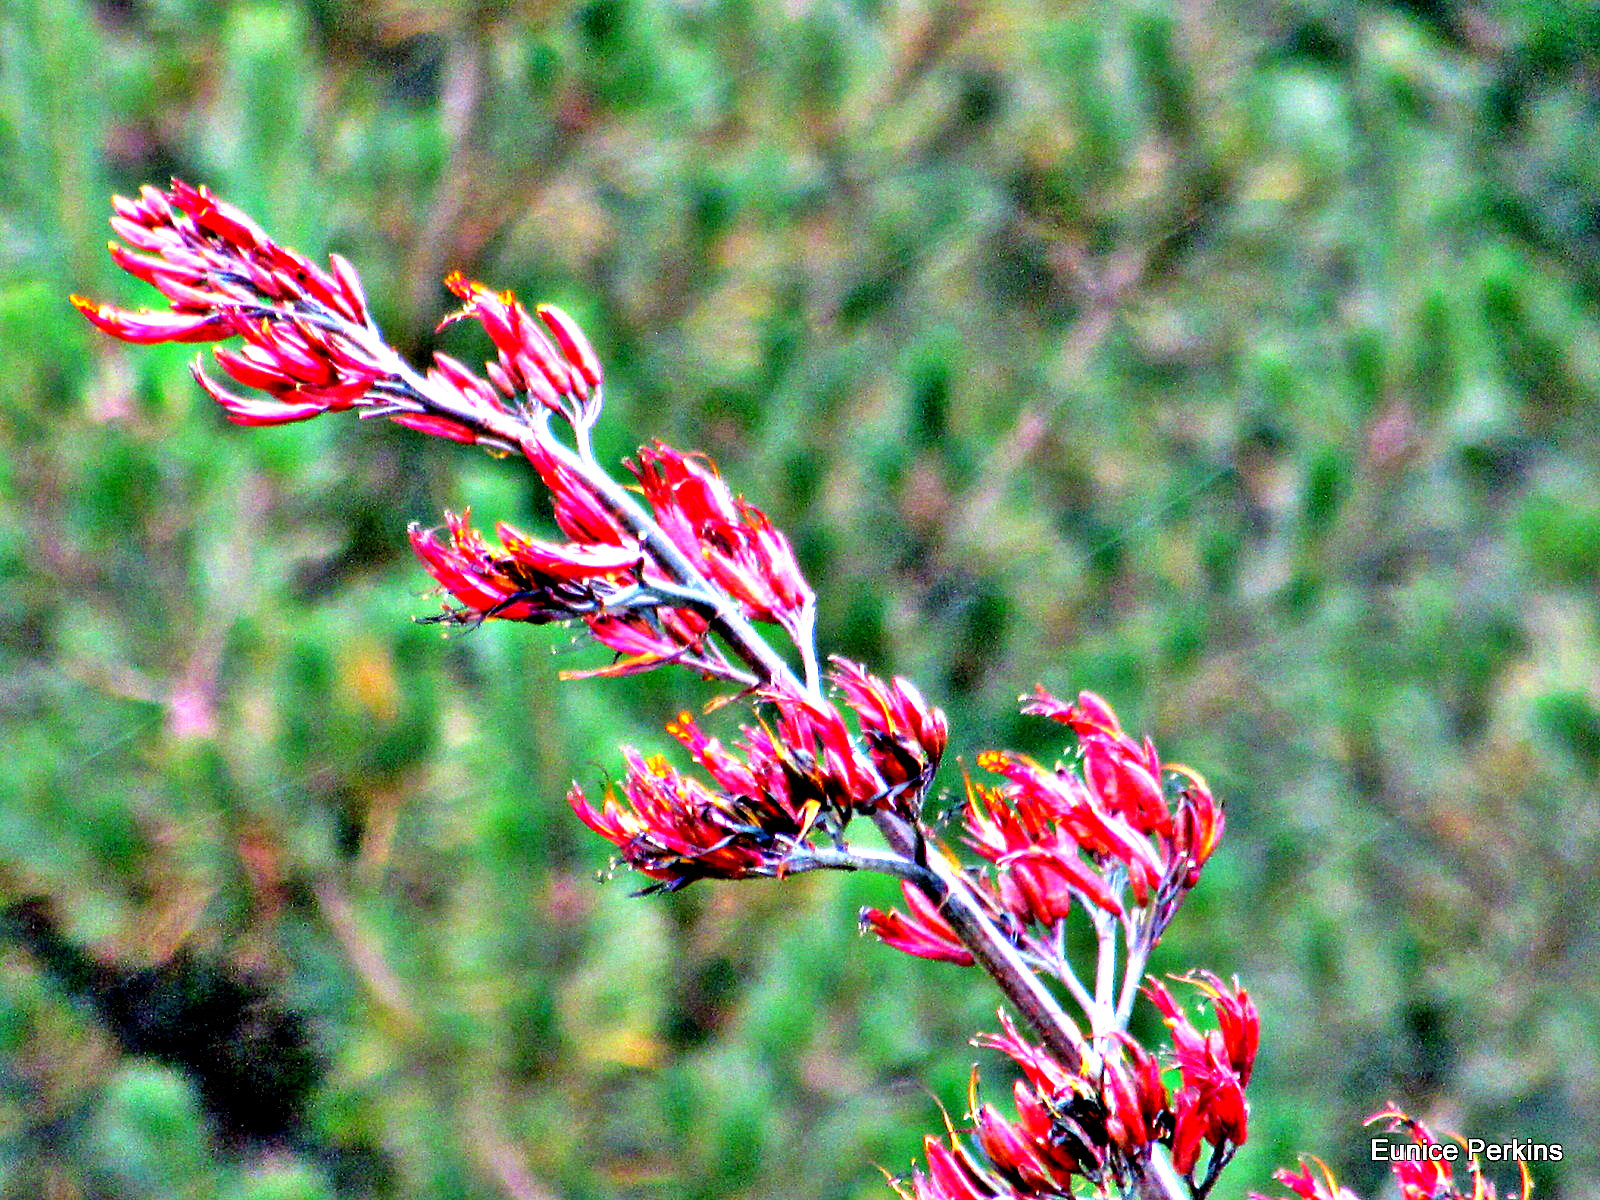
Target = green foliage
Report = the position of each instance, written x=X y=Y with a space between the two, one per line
x=1240 y=362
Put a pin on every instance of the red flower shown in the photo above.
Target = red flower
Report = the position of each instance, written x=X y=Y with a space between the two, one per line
x=1124 y=775
x=1067 y=1125
x=1197 y=825
x=1215 y=1067
x=1039 y=827
x=1039 y=1067
x=304 y=328
x=562 y=374
x=145 y=327
x=1089 y=715
x=769 y=772
x=1135 y=1095
x=525 y=579
x=579 y=512
x=676 y=830
x=773 y=788
x=1040 y=864
x=1083 y=829
x=905 y=735
x=1238 y=1023
x=920 y=930
x=952 y=1174
x=726 y=537
x=646 y=641
x=599 y=583
x=1055 y=834
x=1105 y=1117
x=814 y=736
x=1188 y=1131
x=1018 y=1157
x=310 y=342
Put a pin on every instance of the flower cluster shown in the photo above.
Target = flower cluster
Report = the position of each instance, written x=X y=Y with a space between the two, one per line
x=223 y=277
x=641 y=612
x=562 y=374
x=597 y=582
x=1215 y=1067
x=725 y=536
x=309 y=342
x=1430 y=1175
x=1099 y=1122
x=1116 y=830
x=308 y=337
x=526 y=579
x=675 y=830
x=1121 y=837
x=905 y=735
x=776 y=786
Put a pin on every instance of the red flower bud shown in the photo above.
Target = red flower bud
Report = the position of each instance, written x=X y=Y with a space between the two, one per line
x=574 y=346
x=921 y=930
x=728 y=539
x=146 y=327
x=905 y=735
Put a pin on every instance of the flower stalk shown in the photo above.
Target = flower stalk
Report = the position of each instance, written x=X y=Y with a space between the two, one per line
x=679 y=569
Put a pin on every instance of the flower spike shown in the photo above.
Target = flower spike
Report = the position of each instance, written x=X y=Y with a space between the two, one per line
x=681 y=569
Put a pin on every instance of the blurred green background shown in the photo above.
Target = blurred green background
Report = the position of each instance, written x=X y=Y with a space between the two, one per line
x=1239 y=361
